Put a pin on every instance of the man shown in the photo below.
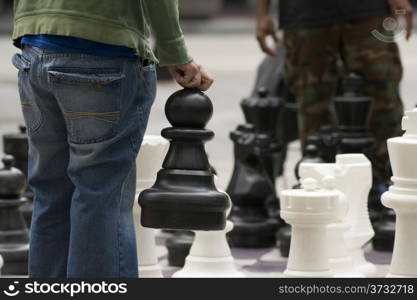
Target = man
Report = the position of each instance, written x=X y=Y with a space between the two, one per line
x=316 y=34
x=87 y=84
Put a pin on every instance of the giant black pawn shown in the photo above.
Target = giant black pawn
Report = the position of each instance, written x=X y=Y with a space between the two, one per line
x=14 y=235
x=184 y=195
x=16 y=144
x=249 y=188
x=179 y=246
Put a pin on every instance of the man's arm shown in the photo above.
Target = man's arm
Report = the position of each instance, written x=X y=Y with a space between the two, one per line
x=170 y=45
x=265 y=26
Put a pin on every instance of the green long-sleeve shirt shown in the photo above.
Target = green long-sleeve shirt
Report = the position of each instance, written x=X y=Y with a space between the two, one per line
x=126 y=23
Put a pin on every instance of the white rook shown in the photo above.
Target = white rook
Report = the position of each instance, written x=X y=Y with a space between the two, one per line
x=148 y=163
x=402 y=197
x=309 y=211
x=353 y=177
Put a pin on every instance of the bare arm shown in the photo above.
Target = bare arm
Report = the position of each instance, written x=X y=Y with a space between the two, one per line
x=265 y=27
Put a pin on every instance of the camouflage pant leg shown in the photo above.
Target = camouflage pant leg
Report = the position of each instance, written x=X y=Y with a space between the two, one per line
x=310 y=71
x=379 y=63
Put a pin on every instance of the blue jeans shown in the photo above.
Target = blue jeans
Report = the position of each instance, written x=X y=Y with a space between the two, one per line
x=86 y=117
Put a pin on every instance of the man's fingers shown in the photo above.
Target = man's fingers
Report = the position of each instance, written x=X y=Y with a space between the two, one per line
x=206 y=80
x=265 y=48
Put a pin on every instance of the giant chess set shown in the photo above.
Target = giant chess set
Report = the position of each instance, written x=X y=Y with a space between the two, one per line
x=336 y=222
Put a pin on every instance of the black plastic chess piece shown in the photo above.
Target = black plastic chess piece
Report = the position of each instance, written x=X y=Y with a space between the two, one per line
x=384 y=229
x=14 y=235
x=178 y=246
x=352 y=112
x=184 y=195
x=249 y=188
x=16 y=144
x=327 y=141
x=263 y=112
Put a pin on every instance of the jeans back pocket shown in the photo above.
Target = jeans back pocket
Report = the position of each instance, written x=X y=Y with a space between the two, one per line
x=90 y=101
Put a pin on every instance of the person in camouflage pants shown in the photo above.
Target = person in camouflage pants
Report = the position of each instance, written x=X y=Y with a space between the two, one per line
x=312 y=68
x=314 y=81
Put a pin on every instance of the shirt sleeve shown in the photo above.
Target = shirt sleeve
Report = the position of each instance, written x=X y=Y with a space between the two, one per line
x=164 y=21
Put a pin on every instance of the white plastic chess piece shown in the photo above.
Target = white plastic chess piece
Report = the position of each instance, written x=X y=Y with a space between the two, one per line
x=341 y=263
x=1 y=264
x=210 y=256
x=309 y=211
x=402 y=197
x=148 y=163
x=353 y=177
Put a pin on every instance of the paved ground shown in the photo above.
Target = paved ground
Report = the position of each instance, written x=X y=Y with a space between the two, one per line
x=232 y=57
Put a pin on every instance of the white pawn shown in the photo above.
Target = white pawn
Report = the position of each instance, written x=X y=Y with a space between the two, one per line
x=402 y=197
x=309 y=211
x=148 y=163
x=1 y=264
x=353 y=177
x=210 y=256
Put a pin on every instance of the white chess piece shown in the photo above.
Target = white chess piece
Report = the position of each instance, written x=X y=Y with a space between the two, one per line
x=1 y=264
x=353 y=177
x=148 y=163
x=309 y=211
x=210 y=256
x=341 y=263
x=402 y=197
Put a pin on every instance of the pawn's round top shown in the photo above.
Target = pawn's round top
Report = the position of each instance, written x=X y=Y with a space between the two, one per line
x=311 y=151
x=262 y=92
x=8 y=162
x=12 y=181
x=189 y=108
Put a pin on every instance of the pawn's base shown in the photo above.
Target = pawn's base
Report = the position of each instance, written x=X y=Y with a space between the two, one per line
x=207 y=267
x=179 y=246
x=253 y=234
x=153 y=271
x=305 y=274
x=15 y=260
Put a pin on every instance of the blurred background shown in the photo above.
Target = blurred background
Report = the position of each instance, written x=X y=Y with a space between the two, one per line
x=220 y=35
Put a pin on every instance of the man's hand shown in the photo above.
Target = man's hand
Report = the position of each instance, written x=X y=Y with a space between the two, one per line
x=191 y=75
x=406 y=9
x=266 y=27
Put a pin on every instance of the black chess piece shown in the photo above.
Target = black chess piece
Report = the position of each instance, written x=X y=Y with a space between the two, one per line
x=249 y=188
x=178 y=246
x=311 y=155
x=384 y=228
x=327 y=141
x=184 y=195
x=352 y=112
x=14 y=235
x=263 y=112
x=16 y=144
